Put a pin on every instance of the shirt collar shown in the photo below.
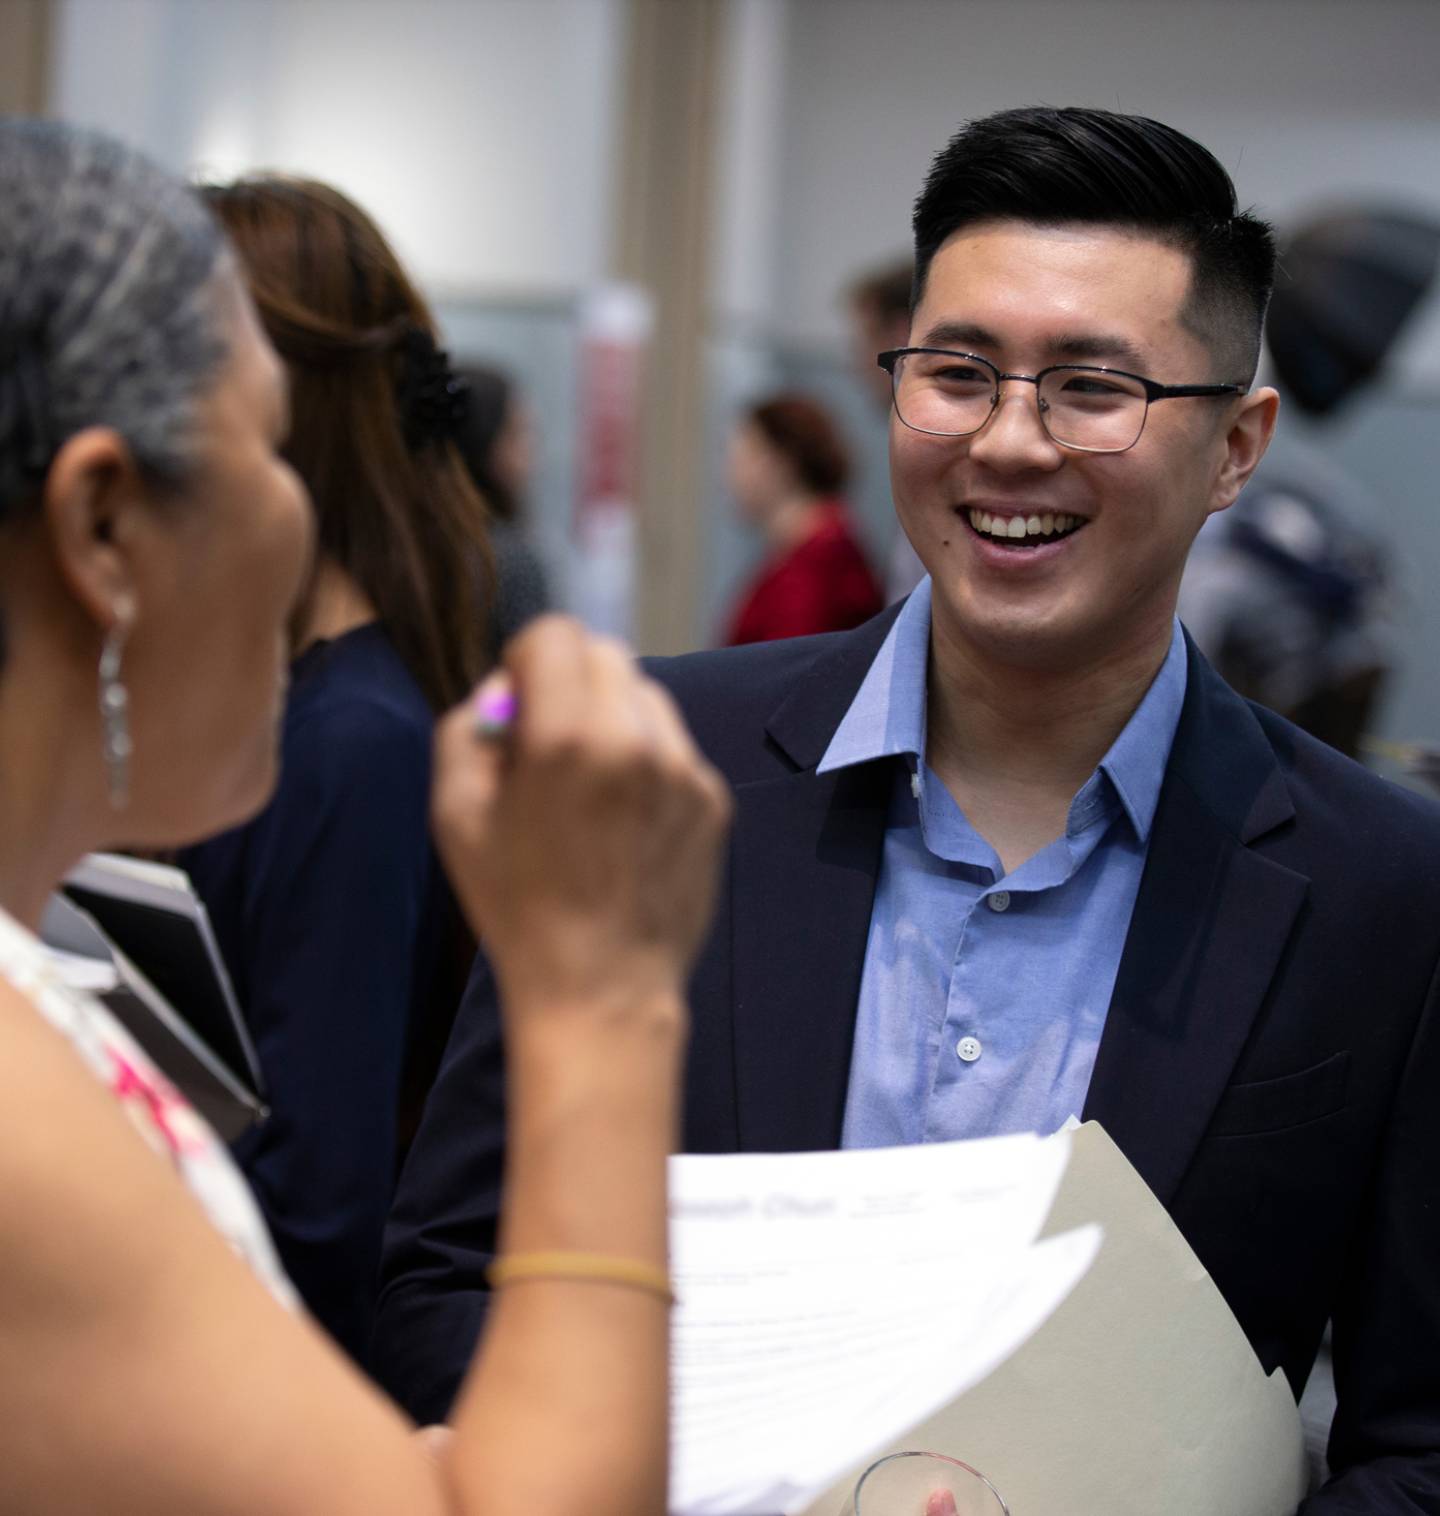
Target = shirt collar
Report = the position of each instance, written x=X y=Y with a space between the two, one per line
x=1135 y=764
x=887 y=716
x=886 y=719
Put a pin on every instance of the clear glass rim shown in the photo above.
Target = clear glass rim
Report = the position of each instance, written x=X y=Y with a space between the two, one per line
x=957 y=1463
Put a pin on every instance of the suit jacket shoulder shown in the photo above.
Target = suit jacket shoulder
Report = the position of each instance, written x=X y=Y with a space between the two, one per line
x=1351 y=797
x=771 y=707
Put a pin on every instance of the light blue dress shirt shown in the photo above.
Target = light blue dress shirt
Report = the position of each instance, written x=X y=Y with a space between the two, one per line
x=984 y=995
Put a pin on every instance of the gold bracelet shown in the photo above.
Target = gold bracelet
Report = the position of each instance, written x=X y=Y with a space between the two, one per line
x=594 y=1268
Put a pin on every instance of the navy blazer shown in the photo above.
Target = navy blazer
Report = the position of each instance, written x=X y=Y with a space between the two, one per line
x=1270 y=1062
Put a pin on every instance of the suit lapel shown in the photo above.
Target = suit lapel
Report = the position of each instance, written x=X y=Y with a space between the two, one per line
x=806 y=854
x=1210 y=924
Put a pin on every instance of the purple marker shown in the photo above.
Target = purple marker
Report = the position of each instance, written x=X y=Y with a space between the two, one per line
x=494 y=712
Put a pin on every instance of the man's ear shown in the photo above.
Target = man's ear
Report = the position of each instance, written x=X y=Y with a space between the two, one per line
x=1247 y=436
x=92 y=494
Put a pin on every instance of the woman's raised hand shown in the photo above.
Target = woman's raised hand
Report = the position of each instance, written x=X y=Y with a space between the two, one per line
x=584 y=844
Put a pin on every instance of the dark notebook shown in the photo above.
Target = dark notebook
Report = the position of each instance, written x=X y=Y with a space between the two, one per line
x=171 y=989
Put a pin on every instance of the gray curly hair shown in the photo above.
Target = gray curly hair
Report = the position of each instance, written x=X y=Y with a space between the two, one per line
x=108 y=308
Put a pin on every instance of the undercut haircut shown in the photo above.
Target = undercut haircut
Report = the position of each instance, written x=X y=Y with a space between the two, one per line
x=1052 y=167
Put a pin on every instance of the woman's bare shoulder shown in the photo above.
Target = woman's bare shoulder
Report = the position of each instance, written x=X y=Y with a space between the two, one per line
x=142 y=1365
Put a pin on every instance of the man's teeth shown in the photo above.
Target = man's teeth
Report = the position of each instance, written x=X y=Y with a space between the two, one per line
x=1017 y=528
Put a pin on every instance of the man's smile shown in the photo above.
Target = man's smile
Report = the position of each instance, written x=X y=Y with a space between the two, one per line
x=1026 y=530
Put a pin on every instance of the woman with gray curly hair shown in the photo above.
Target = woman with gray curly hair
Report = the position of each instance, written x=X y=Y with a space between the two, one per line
x=153 y=543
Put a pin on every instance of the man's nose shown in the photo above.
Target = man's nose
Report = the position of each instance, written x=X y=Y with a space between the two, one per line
x=1014 y=438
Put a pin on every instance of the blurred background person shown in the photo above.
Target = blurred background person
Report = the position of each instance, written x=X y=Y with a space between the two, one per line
x=878 y=304
x=496 y=440
x=331 y=911
x=788 y=470
x=1287 y=592
x=879 y=307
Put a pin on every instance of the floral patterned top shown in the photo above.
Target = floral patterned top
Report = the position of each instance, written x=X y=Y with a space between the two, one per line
x=157 y=1110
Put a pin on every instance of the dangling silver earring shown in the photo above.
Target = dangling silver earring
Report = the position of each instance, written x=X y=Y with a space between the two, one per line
x=115 y=711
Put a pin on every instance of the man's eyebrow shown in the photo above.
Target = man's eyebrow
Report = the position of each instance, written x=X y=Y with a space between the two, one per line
x=1096 y=346
x=961 y=334
x=1077 y=347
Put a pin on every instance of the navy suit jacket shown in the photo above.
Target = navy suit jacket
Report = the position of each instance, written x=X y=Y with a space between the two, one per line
x=1270 y=1062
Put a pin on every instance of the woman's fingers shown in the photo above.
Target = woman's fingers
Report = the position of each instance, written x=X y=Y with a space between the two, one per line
x=549 y=667
x=583 y=845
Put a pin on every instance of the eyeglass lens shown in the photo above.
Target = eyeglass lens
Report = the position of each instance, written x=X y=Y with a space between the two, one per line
x=948 y=395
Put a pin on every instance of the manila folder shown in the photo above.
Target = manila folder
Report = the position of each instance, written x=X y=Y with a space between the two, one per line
x=1139 y=1395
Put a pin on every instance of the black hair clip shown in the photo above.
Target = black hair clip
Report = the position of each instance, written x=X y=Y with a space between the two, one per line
x=433 y=398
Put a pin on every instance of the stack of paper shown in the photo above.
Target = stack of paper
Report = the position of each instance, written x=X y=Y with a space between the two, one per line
x=151 y=912
x=830 y=1301
x=839 y=1306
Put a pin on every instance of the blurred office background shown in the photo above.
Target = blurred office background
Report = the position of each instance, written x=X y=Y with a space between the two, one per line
x=731 y=165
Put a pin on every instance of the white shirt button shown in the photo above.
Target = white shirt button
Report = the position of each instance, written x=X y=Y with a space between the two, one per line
x=999 y=901
x=969 y=1049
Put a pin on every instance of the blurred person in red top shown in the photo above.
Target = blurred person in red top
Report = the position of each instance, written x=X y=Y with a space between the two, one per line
x=787 y=470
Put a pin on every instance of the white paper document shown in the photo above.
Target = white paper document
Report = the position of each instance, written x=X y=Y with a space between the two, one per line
x=829 y=1301
x=1023 y=1304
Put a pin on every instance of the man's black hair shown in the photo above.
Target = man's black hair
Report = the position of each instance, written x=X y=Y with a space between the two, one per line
x=1051 y=166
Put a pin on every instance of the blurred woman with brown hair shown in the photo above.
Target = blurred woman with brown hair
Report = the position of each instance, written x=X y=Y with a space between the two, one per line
x=330 y=908
x=788 y=469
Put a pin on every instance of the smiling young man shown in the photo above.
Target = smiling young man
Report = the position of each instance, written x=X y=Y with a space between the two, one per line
x=1013 y=852
x=1052 y=512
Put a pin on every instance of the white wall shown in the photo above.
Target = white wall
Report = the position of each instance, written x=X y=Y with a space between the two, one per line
x=1303 y=100
x=749 y=159
x=480 y=133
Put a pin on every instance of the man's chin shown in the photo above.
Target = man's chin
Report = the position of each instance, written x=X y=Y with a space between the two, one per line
x=1032 y=635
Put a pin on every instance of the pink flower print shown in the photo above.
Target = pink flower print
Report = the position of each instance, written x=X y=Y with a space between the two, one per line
x=155 y=1107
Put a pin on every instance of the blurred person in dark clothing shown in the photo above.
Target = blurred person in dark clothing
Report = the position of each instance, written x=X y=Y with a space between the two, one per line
x=788 y=469
x=495 y=439
x=1287 y=592
x=330 y=907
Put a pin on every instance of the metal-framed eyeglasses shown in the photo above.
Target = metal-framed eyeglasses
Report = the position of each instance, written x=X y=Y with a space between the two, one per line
x=1089 y=409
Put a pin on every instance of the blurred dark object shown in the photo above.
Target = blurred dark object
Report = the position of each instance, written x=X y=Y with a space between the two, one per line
x=494 y=442
x=1348 y=283
x=1286 y=592
x=497 y=465
x=1338 y=713
x=432 y=397
x=1418 y=760
x=87 y=959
